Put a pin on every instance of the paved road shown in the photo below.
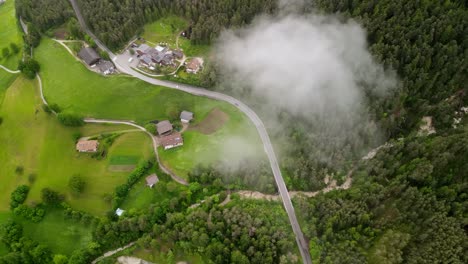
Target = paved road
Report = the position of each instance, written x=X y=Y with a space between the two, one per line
x=123 y=67
x=153 y=138
x=8 y=70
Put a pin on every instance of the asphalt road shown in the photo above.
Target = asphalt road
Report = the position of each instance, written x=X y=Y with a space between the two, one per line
x=122 y=66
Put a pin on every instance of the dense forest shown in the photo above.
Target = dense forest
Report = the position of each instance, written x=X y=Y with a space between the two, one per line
x=408 y=205
x=117 y=22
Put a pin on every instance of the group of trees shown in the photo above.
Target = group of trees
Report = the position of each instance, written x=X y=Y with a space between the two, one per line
x=6 y=52
x=117 y=22
x=29 y=67
x=407 y=205
x=244 y=232
x=239 y=175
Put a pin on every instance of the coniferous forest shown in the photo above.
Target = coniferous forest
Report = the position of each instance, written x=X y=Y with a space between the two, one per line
x=408 y=204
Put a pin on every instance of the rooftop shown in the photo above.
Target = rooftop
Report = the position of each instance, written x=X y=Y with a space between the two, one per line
x=89 y=55
x=171 y=140
x=87 y=145
x=186 y=115
x=152 y=180
x=164 y=127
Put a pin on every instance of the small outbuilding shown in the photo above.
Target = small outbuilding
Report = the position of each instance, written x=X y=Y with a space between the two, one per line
x=178 y=54
x=164 y=127
x=193 y=66
x=106 y=67
x=119 y=212
x=151 y=180
x=171 y=141
x=87 y=145
x=89 y=55
x=186 y=116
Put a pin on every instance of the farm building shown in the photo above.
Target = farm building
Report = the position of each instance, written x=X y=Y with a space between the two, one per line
x=151 y=180
x=119 y=212
x=142 y=49
x=178 y=54
x=87 y=145
x=186 y=116
x=193 y=66
x=171 y=141
x=89 y=55
x=106 y=67
x=164 y=127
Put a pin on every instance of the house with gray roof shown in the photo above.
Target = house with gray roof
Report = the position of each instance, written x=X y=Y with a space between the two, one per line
x=106 y=67
x=186 y=116
x=146 y=60
x=89 y=55
x=164 y=127
x=142 y=49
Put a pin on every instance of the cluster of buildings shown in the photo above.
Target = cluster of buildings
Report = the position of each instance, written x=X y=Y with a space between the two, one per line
x=162 y=56
x=168 y=138
x=92 y=59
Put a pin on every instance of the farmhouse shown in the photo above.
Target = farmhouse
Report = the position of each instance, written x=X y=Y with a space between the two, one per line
x=142 y=49
x=87 y=145
x=193 y=66
x=186 y=116
x=164 y=127
x=106 y=67
x=89 y=55
x=158 y=55
x=171 y=141
x=178 y=54
x=152 y=180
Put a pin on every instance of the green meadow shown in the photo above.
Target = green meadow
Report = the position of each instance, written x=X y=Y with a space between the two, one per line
x=10 y=32
x=45 y=151
x=167 y=29
x=75 y=89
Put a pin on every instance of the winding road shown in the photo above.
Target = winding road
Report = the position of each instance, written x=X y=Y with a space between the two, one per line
x=124 y=68
x=8 y=70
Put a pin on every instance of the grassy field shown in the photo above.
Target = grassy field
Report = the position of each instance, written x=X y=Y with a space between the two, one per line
x=219 y=147
x=69 y=84
x=6 y=79
x=60 y=235
x=167 y=29
x=10 y=32
x=46 y=150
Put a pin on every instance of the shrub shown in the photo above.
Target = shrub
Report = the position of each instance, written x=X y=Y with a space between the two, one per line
x=51 y=197
x=46 y=108
x=151 y=128
x=76 y=184
x=70 y=119
x=14 y=48
x=76 y=135
x=35 y=214
x=18 y=196
x=19 y=170
x=29 y=67
x=1 y=120
x=5 y=52
x=31 y=178
x=55 y=108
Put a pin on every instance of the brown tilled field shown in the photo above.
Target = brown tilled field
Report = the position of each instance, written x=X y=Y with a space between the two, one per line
x=212 y=122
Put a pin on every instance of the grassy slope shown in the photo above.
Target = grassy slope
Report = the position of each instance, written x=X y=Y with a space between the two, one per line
x=233 y=141
x=167 y=29
x=61 y=236
x=36 y=141
x=69 y=84
x=9 y=33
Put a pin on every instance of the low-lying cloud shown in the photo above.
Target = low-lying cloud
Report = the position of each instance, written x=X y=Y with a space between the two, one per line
x=306 y=64
x=317 y=68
